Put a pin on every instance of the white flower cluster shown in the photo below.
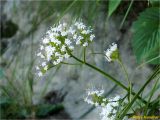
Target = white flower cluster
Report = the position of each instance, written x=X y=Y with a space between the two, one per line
x=60 y=41
x=108 y=107
x=109 y=52
x=91 y=94
x=109 y=111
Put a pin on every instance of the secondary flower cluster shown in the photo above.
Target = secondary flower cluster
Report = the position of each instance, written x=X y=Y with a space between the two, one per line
x=60 y=41
x=111 y=53
x=108 y=107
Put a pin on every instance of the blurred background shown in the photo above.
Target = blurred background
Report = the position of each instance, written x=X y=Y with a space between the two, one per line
x=60 y=93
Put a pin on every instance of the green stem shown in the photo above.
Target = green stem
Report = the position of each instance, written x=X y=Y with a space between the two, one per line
x=151 y=94
x=127 y=77
x=130 y=5
x=157 y=71
x=84 y=55
x=107 y=76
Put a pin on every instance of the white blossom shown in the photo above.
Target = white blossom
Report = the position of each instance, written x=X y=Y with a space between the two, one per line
x=43 y=64
x=37 y=68
x=63 y=33
x=41 y=47
x=40 y=74
x=46 y=68
x=60 y=40
x=108 y=107
x=85 y=44
x=67 y=41
x=45 y=40
x=92 y=37
x=109 y=52
x=108 y=112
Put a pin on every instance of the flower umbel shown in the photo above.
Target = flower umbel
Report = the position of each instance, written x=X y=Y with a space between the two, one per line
x=60 y=41
x=94 y=97
x=111 y=53
x=108 y=107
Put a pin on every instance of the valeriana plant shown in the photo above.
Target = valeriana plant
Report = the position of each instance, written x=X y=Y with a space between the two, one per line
x=59 y=44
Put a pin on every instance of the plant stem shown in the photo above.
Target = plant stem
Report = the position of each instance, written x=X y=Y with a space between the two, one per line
x=127 y=77
x=130 y=5
x=151 y=94
x=107 y=76
x=84 y=55
x=157 y=71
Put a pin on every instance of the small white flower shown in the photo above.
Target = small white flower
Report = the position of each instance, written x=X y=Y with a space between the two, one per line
x=75 y=36
x=53 y=39
x=80 y=38
x=78 y=42
x=71 y=47
x=80 y=25
x=96 y=104
x=41 y=47
x=57 y=54
x=109 y=52
x=37 y=68
x=66 y=55
x=71 y=30
x=40 y=74
x=58 y=42
x=113 y=47
x=60 y=59
x=42 y=56
x=115 y=104
x=104 y=100
x=63 y=48
x=67 y=41
x=116 y=98
x=54 y=62
x=85 y=44
x=102 y=104
x=39 y=54
x=45 y=40
x=55 y=34
x=43 y=64
x=92 y=37
x=63 y=33
x=46 y=68
x=85 y=32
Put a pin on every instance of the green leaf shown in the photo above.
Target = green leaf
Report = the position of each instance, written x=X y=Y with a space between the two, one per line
x=146 y=32
x=155 y=2
x=113 y=4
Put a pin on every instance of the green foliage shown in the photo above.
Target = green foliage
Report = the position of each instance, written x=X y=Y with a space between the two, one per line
x=113 y=4
x=13 y=109
x=43 y=110
x=155 y=2
x=146 y=31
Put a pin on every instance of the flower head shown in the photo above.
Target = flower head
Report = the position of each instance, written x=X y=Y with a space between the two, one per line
x=108 y=107
x=60 y=41
x=108 y=112
x=111 y=53
x=94 y=96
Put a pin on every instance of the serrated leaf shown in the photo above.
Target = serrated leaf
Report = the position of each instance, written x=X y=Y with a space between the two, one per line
x=113 y=4
x=146 y=32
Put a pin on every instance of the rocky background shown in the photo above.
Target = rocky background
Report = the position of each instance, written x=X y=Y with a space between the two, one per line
x=23 y=24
